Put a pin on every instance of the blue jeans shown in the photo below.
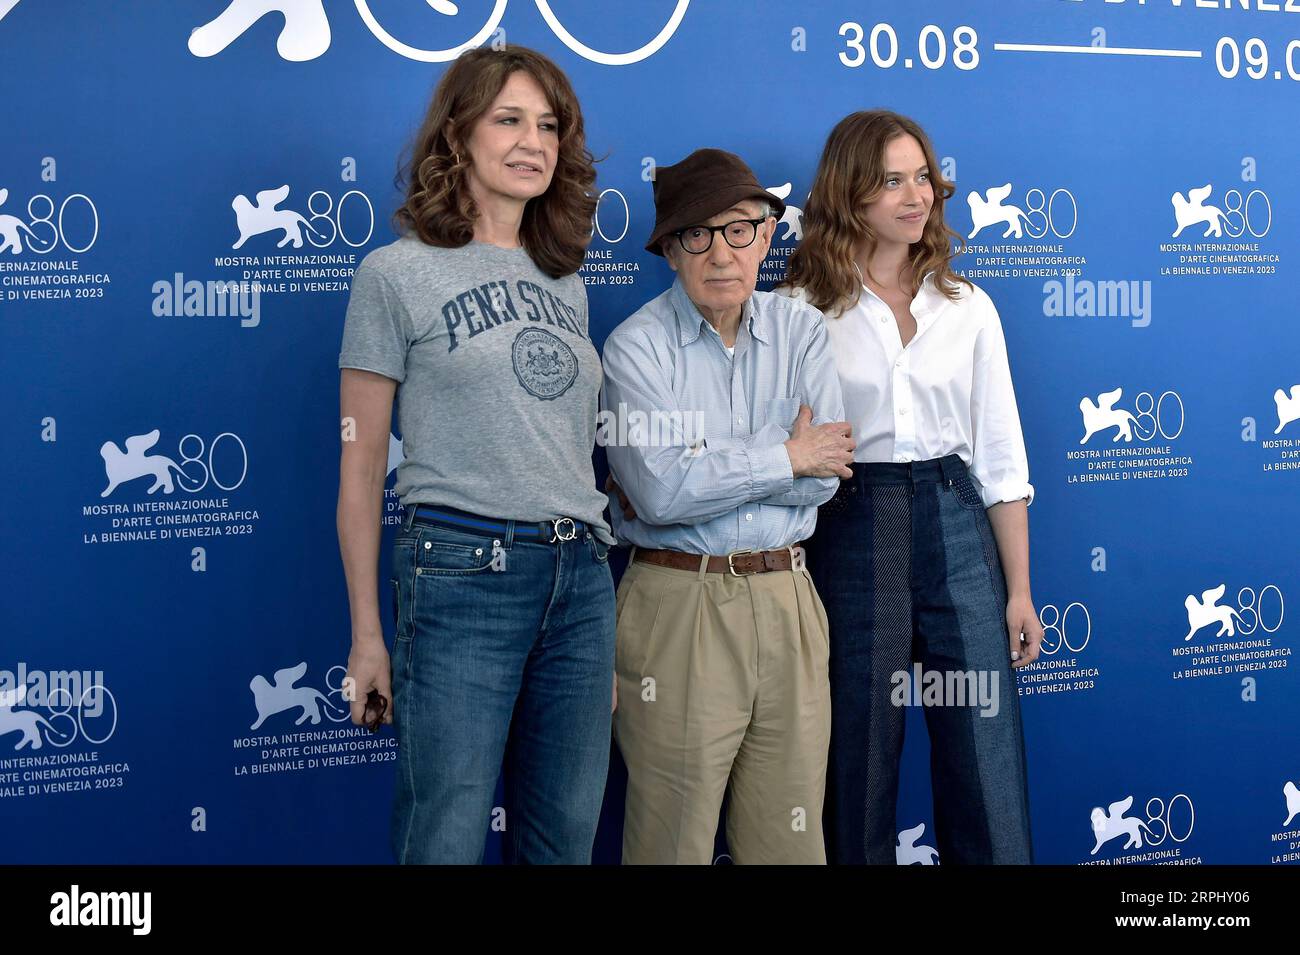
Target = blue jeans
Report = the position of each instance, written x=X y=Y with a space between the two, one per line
x=906 y=565
x=494 y=667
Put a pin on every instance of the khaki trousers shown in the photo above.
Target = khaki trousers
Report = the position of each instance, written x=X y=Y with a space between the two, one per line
x=722 y=681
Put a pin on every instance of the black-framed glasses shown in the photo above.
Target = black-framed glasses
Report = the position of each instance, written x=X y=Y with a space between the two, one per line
x=698 y=239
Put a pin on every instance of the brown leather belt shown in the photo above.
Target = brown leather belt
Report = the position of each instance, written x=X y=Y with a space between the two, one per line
x=740 y=563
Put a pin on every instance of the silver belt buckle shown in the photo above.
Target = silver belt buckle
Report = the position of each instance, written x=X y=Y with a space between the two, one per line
x=558 y=534
x=731 y=567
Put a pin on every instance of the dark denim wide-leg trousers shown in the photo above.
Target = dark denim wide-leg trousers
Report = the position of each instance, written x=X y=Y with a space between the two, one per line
x=906 y=565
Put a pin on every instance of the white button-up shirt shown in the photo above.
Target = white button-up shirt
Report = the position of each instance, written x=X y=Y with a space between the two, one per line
x=948 y=392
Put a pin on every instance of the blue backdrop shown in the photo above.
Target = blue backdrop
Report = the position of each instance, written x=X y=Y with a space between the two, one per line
x=169 y=531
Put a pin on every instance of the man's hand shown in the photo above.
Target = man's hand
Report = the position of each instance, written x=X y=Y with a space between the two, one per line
x=611 y=487
x=825 y=450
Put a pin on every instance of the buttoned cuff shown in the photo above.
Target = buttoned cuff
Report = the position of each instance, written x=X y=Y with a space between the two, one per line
x=769 y=471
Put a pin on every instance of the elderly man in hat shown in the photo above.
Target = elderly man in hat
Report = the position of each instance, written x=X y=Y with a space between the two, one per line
x=732 y=418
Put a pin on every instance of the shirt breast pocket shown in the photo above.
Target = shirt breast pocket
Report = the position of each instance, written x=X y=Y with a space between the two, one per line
x=782 y=412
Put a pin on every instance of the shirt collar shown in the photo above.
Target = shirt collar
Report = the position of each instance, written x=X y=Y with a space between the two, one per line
x=924 y=294
x=690 y=321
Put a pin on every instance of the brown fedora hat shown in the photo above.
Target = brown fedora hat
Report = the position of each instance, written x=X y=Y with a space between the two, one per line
x=706 y=182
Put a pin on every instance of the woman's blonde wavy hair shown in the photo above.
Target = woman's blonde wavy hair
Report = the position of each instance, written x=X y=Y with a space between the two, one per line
x=850 y=175
x=556 y=226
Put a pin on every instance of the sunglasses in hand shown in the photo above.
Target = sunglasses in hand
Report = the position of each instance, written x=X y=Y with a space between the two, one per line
x=376 y=707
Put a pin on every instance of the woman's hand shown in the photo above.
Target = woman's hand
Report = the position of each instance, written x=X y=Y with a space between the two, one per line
x=369 y=669
x=366 y=399
x=1010 y=523
x=1022 y=618
x=613 y=703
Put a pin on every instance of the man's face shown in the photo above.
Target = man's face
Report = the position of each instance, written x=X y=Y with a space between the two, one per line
x=721 y=278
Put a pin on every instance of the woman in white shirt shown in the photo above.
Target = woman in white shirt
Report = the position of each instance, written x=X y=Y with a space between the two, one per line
x=922 y=557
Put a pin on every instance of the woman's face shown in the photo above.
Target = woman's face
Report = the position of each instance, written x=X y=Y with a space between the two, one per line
x=514 y=145
x=899 y=213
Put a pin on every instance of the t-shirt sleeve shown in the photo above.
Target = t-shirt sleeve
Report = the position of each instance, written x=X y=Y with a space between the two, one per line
x=580 y=299
x=377 y=331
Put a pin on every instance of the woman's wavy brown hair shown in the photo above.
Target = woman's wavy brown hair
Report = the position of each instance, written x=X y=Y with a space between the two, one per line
x=851 y=174
x=556 y=226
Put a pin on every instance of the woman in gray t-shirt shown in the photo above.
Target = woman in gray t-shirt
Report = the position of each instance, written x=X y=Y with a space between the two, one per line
x=477 y=321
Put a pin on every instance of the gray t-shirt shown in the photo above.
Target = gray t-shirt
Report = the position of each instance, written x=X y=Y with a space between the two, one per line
x=499 y=381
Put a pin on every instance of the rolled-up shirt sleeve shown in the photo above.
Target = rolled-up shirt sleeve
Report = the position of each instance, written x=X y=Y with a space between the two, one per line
x=672 y=481
x=999 y=464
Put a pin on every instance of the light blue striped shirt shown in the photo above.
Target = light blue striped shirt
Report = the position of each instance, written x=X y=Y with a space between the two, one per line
x=695 y=436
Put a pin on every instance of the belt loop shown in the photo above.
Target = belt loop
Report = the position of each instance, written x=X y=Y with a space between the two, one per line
x=949 y=464
x=704 y=568
x=510 y=535
x=631 y=556
x=408 y=516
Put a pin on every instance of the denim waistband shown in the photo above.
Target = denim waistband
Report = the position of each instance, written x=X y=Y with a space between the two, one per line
x=942 y=470
x=544 y=532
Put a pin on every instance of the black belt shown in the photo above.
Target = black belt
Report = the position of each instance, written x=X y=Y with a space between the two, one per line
x=544 y=532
